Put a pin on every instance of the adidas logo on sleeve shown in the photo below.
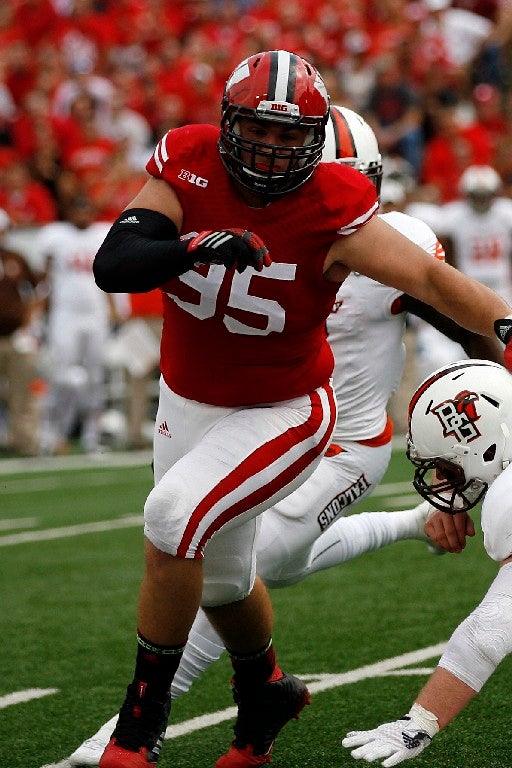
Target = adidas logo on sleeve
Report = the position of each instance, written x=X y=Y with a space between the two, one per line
x=130 y=220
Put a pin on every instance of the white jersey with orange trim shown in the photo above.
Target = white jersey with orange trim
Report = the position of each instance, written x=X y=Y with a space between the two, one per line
x=78 y=327
x=482 y=242
x=482 y=248
x=71 y=253
x=366 y=328
x=366 y=331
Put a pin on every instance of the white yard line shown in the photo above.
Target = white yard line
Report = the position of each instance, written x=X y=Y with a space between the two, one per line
x=386 y=489
x=321 y=683
x=36 y=483
x=20 y=697
x=78 y=461
x=18 y=522
x=71 y=530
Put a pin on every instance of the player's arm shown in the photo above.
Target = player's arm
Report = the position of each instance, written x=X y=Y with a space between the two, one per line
x=475 y=345
x=442 y=698
x=379 y=251
x=472 y=654
x=143 y=249
x=449 y=250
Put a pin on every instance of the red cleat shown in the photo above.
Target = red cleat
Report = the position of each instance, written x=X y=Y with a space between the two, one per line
x=115 y=756
x=261 y=715
x=139 y=734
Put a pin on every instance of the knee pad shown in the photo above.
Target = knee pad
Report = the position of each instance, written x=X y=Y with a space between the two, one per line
x=226 y=580
x=164 y=516
x=276 y=564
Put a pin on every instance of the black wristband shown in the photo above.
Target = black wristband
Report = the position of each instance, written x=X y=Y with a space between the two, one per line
x=503 y=329
x=141 y=251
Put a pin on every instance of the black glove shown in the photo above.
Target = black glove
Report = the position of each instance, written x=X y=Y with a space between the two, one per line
x=231 y=247
x=503 y=330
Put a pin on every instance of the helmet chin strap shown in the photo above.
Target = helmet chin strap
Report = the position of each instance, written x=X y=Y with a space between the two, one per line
x=475 y=490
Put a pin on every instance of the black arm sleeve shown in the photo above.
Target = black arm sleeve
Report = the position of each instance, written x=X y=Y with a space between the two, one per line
x=474 y=345
x=141 y=251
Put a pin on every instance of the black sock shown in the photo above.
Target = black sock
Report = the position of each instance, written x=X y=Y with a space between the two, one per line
x=156 y=666
x=257 y=668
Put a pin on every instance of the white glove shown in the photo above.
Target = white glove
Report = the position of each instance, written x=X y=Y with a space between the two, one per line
x=397 y=741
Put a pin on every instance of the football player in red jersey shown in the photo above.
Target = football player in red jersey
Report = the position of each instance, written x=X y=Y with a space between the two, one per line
x=246 y=406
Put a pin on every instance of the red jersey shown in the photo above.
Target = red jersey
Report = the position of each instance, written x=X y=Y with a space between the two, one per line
x=234 y=339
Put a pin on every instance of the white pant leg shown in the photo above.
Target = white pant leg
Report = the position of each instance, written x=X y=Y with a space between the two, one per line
x=290 y=529
x=92 y=356
x=67 y=377
x=219 y=468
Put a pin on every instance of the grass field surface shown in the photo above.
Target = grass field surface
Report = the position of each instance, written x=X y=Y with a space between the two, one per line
x=365 y=635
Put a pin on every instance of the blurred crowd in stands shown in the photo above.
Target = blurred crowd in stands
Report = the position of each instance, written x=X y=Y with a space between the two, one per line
x=87 y=87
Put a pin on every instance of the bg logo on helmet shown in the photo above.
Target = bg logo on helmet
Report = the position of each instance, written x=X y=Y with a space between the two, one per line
x=458 y=416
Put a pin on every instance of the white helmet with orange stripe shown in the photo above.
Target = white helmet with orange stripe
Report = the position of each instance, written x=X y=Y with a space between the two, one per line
x=349 y=139
x=460 y=425
x=480 y=184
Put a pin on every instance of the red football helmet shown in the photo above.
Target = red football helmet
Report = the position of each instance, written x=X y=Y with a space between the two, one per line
x=280 y=87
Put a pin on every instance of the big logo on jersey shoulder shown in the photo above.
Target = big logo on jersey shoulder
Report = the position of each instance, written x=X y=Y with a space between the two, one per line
x=458 y=417
x=192 y=178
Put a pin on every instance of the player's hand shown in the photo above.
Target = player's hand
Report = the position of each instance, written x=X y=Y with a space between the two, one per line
x=449 y=531
x=231 y=247
x=397 y=741
x=503 y=330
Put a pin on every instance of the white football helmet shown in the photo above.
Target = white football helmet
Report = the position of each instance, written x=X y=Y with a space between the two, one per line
x=460 y=425
x=479 y=180
x=349 y=139
x=479 y=184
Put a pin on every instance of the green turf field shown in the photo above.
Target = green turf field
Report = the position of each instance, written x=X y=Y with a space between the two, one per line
x=70 y=563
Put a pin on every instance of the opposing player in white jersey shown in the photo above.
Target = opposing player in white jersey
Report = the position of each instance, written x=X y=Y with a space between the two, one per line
x=307 y=531
x=460 y=423
x=476 y=231
x=78 y=325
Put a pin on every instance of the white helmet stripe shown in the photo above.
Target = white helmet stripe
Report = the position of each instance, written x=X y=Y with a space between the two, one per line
x=329 y=152
x=283 y=76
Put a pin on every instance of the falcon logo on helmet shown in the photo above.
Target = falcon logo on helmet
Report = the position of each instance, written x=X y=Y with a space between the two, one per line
x=458 y=416
x=278 y=87
x=474 y=407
